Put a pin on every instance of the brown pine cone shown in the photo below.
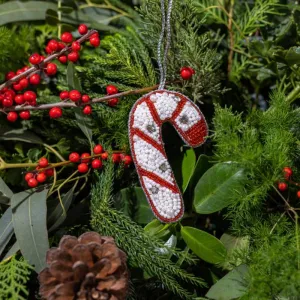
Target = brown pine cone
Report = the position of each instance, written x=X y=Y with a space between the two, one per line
x=90 y=267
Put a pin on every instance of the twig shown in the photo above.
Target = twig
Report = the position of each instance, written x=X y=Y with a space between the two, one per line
x=35 y=68
x=72 y=104
x=231 y=36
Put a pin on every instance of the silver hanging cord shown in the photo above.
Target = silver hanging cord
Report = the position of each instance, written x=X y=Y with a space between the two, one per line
x=165 y=26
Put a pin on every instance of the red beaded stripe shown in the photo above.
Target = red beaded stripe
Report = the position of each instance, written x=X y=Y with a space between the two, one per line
x=159 y=180
x=153 y=111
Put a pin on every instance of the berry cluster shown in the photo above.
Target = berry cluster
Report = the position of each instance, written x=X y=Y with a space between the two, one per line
x=187 y=73
x=85 y=161
x=283 y=186
x=112 y=90
x=37 y=176
x=64 y=50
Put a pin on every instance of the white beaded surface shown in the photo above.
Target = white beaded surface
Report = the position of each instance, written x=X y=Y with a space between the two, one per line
x=188 y=117
x=143 y=120
x=165 y=104
x=167 y=203
x=152 y=160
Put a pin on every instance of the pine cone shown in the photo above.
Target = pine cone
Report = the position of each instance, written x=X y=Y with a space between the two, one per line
x=90 y=267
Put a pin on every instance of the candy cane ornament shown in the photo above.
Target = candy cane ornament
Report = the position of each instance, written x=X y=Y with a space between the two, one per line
x=155 y=173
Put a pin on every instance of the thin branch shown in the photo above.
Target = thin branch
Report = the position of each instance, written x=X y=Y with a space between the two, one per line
x=231 y=36
x=49 y=58
x=72 y=104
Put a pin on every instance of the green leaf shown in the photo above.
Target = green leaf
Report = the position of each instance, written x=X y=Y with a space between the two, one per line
x=13 y=250
x=292 y=56
x=52 y=17
x=202 y=165
x=66 y=9
x=19 y=135
x=204 y=245
x=233 y=245
x=58 y=215
x=214 y=190
x=6 y=229
x=19 y=11
x=133 y=202
x=158 y=229
x=188 y=165
x=85 y=124
x=5 y=193
x=29 y=219
x=72 y=79
x=231 y=286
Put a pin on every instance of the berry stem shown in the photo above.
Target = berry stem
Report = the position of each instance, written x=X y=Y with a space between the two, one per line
x=49 y=58
x=54 y=152
x=72 y=104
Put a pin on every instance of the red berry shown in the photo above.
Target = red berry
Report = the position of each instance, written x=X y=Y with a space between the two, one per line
x=19 y=72
x=64 y=95
x=76 y=46
x=282 y=186
x=61 y=46
x=24 y=115
x=53 y=45
x=9 y=94
x=113 y=102
x=41 y=177
x=111 y=89
x=104 y=156
x=49 y=172
x=82 y=29
x=67 y=37
x=83 y=168
x=29 y=176
x=96 y=34
x=186 y=73
x=51 y=69
x=85 y=98
x=127 y=160
x=98 y=149
x=19 y=99
x=48 y=50
x=95 y=41
x=63 y=59
x=116 y=158
x=35 y=79
x=74 y=95
x=35 y=59
x=87 y=110
x=73 y=56
x=24 y=83
x=298 y=194
x=30 y=96
x=7 y=102
x=12 y=116
x=9 y=75
x=97 y=164
x=55 y=112
x=43 y=162
x=288 y=172
x=17 y=87
x=32 y=182
x=74 y=157
x=84 y=158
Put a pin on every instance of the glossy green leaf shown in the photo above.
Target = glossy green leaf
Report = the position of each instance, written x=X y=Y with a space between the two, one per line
x=13 y=250
x=6 y=229
x=52 y=17
x=20 y=11
x=202 y=165
x=133 y=202
x=188 y=165
x=231 y=286
x=158 y=229
x=22 y=135
x=5 y=193
x=292 y=56
x=29 y=213
x=204 y=245
x=58 y=215
x=84 y=122
x=214 y=190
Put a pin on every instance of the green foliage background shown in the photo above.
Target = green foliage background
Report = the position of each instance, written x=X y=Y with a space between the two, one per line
x=246 y=56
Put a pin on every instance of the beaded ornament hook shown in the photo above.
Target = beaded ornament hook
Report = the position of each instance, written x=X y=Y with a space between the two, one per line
x=165 y=29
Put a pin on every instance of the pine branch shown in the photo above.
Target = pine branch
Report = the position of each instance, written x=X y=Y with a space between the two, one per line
x=136 y=242
x=14 y=275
